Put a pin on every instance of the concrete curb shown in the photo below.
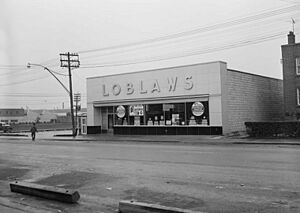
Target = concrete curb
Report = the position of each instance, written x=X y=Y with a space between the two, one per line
x=48 y=192
x=127 y=206
x=164 y=141
x=13 y=135
x=206 y=142
x=266 y=143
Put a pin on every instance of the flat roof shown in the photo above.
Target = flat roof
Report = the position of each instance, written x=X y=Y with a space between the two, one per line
x=288 y=45
x=243 y=72
x=164 y=68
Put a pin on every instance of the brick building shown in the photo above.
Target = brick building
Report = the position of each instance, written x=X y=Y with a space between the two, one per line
x=205 y=98
x=291 y=78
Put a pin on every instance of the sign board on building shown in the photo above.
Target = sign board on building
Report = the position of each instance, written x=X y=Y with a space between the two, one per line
x=136 y=110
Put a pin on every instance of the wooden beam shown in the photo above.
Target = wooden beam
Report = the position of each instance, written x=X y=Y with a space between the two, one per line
x=127 y=206
x=48 y=192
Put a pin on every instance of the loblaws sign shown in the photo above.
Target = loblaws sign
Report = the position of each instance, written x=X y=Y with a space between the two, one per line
x=169 y=84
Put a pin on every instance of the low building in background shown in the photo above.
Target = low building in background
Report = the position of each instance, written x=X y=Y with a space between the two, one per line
x=12 y=115
x=21 y=116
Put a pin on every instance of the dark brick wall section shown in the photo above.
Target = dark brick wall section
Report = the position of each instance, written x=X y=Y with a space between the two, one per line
x=253 y=98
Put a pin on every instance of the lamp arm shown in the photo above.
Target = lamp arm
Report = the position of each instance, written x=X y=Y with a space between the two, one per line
x=29 y=64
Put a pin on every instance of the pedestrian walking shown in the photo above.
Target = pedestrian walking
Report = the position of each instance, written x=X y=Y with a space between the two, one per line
x=33 y=130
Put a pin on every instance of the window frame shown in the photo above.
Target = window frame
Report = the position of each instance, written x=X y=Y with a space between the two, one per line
x=297 y=61
x=298 y=96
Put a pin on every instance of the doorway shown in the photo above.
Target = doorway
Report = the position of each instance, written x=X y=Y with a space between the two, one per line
x=110 y=123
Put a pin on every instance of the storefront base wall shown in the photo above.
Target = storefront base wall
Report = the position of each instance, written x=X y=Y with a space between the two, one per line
x=172 y=130
x=93 y=129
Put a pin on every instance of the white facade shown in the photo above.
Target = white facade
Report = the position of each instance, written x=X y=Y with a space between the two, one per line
x=230 y=97
x=199 y=82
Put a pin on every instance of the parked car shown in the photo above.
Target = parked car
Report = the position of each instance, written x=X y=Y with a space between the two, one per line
x=5 y=127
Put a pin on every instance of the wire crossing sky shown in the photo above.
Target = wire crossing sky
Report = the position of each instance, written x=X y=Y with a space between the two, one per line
x=118 y=36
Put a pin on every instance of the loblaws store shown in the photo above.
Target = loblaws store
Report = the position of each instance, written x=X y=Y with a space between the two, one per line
x=197 y=99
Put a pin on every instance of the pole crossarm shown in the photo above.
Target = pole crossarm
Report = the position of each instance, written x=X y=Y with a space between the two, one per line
x=69 y=60
x=46 y=68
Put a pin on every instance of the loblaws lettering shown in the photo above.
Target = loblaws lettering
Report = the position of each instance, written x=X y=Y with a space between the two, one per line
x=105 y=93
x=142 y=90
x=172 y=83
x=188 y=83
x=116 y=89
x=153 y=87
x=130 y=89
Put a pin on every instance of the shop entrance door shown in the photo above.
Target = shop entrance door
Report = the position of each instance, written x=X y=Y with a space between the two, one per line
x=83 y=126
x=110 y=123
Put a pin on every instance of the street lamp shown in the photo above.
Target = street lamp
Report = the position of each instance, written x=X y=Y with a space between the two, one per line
x=29 y=65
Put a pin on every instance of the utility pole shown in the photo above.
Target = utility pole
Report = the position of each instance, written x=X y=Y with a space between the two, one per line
x=77 y=98
x=70 y=60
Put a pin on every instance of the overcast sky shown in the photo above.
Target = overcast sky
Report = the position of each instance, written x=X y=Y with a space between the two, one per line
x=116 y=36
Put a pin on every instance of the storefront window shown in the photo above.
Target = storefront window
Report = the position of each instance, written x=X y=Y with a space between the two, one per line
x=136 y=114
x=121 y=115
x=154 y=114
x=197 y=113
x=174 y=114
x=190 y=113
x=110 y=109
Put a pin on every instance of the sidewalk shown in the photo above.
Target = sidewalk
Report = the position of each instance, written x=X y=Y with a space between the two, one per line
x=178 y=139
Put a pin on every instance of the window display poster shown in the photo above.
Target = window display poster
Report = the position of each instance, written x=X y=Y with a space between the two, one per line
x=175 y=119
x=120 y=111
x=167 y=107
x=197 y=108
x=137 y=121
x=136 y=110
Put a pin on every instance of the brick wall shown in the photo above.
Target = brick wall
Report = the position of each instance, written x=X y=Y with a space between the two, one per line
x=252 y=98
x=290 y=80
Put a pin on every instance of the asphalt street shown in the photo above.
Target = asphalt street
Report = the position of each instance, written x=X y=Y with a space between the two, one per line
x=207 y=178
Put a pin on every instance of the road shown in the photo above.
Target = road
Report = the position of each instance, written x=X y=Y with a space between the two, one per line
x=208 y=178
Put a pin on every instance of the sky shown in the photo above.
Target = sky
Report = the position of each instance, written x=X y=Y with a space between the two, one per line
x=119 y=36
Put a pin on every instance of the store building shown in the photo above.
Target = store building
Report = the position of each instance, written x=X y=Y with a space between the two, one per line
x=195 y=99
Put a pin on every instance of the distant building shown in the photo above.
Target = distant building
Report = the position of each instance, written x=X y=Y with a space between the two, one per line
x=15 y=116
x=12 y=115
x=291 y=78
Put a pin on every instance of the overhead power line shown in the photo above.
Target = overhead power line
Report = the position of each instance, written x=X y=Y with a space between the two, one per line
x=220 y=35
x=23 y=82
x=192 y=53
x=229 y=23
x=12 y=72
x=9 y=66
x=217 y=26
x=34 y=95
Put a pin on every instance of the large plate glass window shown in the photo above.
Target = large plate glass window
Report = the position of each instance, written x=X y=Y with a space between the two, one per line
x=136 y=114
x=121 y=115
x=197 y=113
